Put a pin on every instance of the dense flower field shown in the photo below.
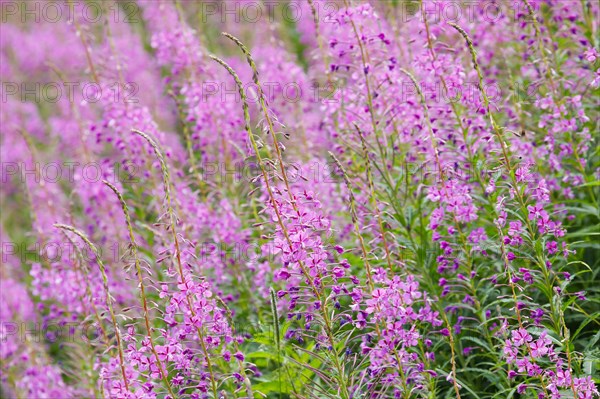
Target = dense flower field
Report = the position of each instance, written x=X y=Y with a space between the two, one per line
x=300 y=199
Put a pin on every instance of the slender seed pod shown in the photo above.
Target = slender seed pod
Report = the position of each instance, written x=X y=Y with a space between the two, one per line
x=134 y=249
x=109 y=300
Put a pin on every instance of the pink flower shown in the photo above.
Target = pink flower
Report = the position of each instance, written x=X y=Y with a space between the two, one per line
x=551 y=247
x=590 y=55
x=520 y=337
x=540 y=347
x=535 y=211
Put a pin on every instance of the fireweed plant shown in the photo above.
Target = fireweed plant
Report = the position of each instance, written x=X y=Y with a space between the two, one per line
x=300 y=199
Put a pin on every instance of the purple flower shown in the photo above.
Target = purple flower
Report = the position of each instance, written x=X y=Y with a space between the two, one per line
x=551 y=247
x=520 y=337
